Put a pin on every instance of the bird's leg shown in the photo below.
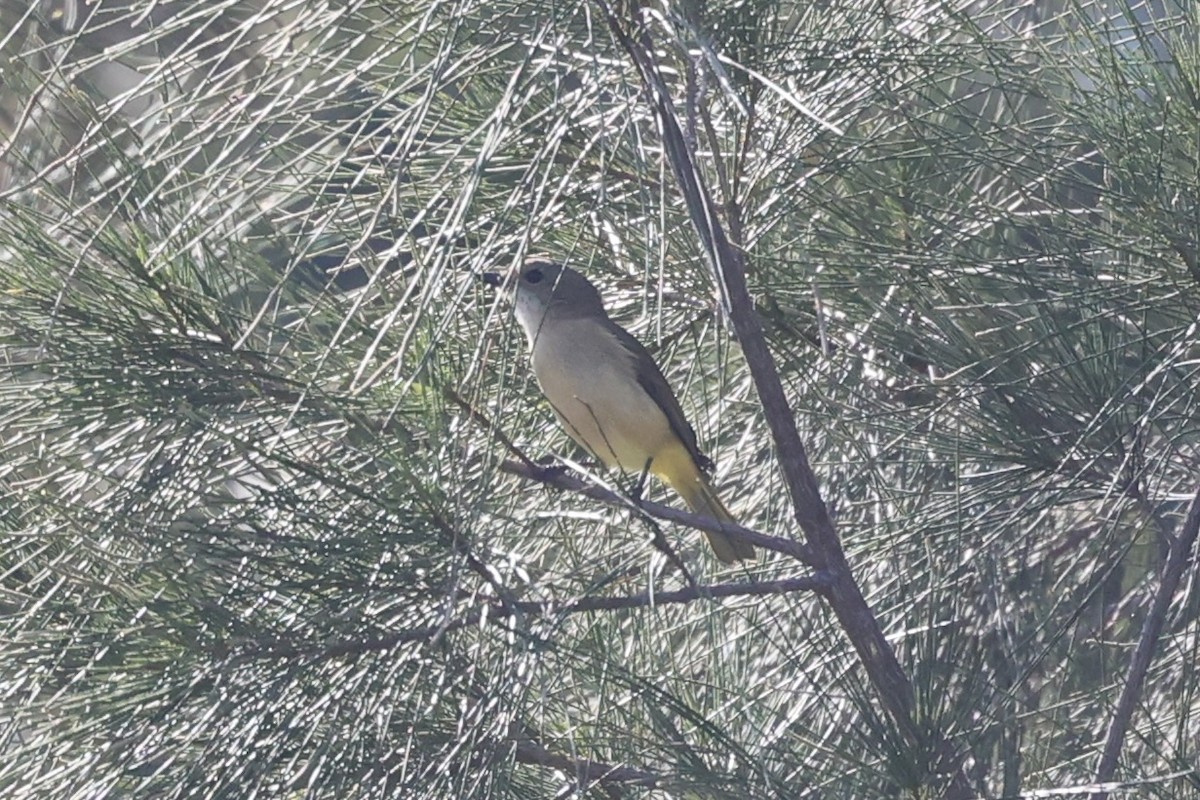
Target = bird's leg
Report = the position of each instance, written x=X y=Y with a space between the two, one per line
x=640 y=486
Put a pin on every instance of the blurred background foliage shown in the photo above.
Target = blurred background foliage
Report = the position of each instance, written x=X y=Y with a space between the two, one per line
x=246 y=527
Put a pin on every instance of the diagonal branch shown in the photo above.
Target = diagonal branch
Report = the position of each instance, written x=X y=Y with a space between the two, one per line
x=584 y=770
x=497 y=611
x=891 y=683
x=1181 y=551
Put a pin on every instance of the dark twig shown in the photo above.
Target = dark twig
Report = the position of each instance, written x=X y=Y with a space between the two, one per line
x=569 y=483
x=493 y=428
x=529 y=749
x=844 y=595
x=498 y=611
x=584 y=770
x=463 y=546
x=1180 y=553
x=662 y=545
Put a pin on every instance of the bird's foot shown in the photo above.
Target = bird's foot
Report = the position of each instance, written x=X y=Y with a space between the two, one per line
x=547 y=468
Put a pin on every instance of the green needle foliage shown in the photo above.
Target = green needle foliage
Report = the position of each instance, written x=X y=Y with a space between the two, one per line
x=260 y=531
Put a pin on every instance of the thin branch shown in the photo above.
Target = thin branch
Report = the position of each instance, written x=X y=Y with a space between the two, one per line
x=490 y=426
x=1181 y=551
x=663 y=546
x=569 y=483
x=584 y=770
x=495 y=612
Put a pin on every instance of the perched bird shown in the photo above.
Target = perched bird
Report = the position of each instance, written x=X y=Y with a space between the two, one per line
x=607 y=391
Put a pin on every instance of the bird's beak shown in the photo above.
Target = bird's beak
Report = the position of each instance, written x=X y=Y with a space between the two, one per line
x=504 y=281
x=496 y=280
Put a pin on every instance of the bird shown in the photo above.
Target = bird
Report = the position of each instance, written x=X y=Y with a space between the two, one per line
x=607 y=391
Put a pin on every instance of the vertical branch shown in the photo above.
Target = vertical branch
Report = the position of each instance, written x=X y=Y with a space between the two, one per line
x=1181 y=550
x=892 y=685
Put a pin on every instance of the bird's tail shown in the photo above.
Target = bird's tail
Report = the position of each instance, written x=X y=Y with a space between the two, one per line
x=694 y=487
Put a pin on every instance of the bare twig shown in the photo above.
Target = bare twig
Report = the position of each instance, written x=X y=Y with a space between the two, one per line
x=663 y=546
x=494 y=429
x=844 y=595
x=497 y=611
x=1180 y=553
x=584 y=770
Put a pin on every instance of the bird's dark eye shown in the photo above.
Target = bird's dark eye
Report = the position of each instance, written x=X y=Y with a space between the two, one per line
x=534 y=276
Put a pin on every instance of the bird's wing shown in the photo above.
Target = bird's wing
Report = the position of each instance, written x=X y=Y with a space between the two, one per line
x=650 y=377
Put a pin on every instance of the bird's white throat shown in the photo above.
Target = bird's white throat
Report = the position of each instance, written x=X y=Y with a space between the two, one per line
x=531 y=314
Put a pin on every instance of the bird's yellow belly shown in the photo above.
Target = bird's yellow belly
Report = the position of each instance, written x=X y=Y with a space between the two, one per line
x=593 y=388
